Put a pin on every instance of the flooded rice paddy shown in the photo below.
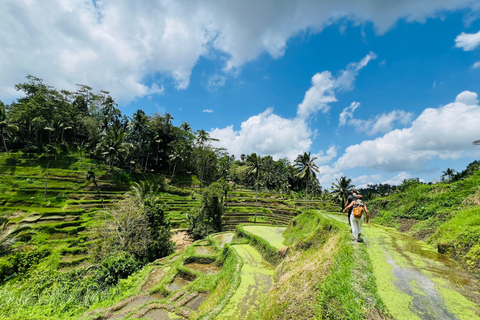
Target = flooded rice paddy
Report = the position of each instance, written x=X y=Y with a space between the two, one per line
x=203 y=268
x=224 y=238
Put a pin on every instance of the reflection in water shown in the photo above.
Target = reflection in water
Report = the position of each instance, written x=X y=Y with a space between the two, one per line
x=224 y=238
x=203 y=268
x=177 y=283
x=204 y=250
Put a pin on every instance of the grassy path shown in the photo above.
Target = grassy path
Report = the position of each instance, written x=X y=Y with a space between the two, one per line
x=256 y=275
x=416 y=282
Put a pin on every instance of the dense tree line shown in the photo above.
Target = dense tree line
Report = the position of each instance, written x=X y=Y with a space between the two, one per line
x=49 y=121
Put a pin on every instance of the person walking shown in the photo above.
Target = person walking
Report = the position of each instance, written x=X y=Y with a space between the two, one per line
x=359 y=213
x=350 y=199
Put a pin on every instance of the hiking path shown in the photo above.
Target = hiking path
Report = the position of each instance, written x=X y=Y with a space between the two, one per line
x=414 y=280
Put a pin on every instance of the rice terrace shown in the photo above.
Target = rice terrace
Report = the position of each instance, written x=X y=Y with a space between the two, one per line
x=239 y=160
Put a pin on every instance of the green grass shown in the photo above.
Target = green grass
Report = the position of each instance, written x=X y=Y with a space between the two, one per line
x=444 y=214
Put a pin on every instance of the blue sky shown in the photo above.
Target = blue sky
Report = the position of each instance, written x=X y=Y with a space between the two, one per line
x=378 y=92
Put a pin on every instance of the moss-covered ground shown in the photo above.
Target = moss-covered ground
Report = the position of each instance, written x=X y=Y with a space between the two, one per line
x=415 y=281
x=446 y=215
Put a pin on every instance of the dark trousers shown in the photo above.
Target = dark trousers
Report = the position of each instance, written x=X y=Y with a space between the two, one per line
x=349 y=214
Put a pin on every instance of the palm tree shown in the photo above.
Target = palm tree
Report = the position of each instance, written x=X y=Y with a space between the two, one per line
x=144 y=191
x=113 y=144
x=185 y=126
x=342 y=189
x=254 y=171
x=305 y=169
x=5 y=127
x=450 y=173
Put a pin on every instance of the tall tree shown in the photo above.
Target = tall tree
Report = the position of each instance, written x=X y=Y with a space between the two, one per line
x=449 y=174
x=205 y=154
x=5 y=128
x=306 y=169
x=112 y=145
x=254 y=171
x=342 y=189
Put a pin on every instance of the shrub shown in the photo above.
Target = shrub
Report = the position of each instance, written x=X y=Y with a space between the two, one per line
x=116 y=267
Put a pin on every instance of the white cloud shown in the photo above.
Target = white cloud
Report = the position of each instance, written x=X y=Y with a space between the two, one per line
x=326 y=157
x=467 y=97
x=398 y=179
x=476 y=65
x=467 y=41
x=365 y=180
x=215 y=81
x=208 y=110
x=266 y=134
x=347 y=113
x=322 y=92
x=435 y=133
x=318 y=96
x=346 y=79
x=379 y=124
x=121 y=45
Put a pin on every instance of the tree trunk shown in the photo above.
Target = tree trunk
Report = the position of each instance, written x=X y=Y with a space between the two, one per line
x=306 y=197
x=98 y=191
x=173 y=173
x=5 y=145
x=256 y=200
x=146 y=163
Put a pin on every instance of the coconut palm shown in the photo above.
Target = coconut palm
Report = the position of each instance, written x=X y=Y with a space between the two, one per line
x=113 y=144
x=5 y=128
x=254 y=171
x=450 y=173
x=306 y=169
x=342 y=189
x=185 y=126
x=145 y=191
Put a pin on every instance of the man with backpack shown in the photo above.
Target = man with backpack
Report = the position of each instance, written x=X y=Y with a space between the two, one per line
x=359 y=213
x=350 y=199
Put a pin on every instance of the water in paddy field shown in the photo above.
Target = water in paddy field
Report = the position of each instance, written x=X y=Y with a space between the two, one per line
x=224 y=238
x=203 y=268
x=204 y=250
x=177 y=283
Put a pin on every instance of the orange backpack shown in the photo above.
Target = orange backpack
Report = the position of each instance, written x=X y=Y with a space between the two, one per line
x=358 y=209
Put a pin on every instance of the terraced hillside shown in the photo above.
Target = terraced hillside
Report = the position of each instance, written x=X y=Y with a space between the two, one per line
x=59 y=207
x=272 y=208
x=209 y=280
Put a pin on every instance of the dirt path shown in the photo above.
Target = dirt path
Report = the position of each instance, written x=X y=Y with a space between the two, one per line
x=256 y=279
x=416 y=282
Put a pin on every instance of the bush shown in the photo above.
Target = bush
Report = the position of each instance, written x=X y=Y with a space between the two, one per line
x=116 y=267
x=20 y=262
